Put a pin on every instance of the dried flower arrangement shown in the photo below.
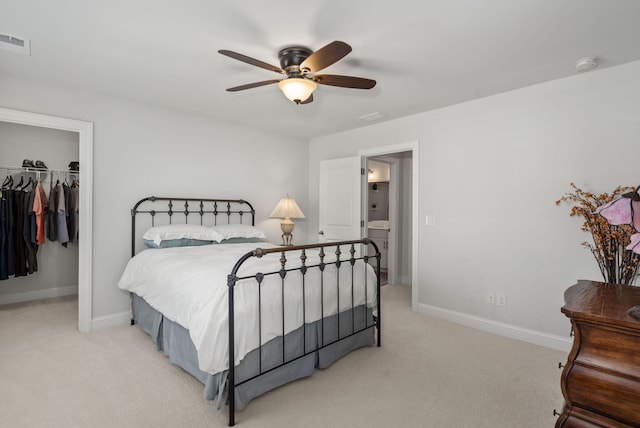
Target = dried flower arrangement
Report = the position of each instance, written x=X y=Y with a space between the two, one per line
x=612 y=243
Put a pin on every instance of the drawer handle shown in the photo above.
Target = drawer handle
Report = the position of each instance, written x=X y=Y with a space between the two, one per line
x=560 y=365
x=555 y=413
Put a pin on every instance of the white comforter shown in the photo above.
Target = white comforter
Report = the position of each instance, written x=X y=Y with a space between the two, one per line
x=189 y=286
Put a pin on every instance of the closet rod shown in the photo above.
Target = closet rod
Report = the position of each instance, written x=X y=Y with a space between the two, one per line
x=28 y=169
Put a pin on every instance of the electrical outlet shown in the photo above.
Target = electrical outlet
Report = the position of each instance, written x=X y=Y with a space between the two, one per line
x=491 y=297
x=501 y=299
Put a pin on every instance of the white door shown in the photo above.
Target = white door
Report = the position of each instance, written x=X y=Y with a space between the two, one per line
x=340 y=199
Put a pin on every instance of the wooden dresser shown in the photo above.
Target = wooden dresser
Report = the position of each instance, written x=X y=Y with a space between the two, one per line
x=601 y=380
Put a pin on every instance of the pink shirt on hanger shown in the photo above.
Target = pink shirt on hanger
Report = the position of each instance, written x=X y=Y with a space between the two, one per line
x=40 y=204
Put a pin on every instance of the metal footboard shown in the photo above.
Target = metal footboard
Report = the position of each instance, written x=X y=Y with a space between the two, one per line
x=357 y=256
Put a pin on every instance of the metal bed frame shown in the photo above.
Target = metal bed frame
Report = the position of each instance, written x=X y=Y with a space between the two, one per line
x=215 y=207
x=239 y=210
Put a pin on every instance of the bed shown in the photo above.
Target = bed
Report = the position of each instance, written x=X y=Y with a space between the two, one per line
x=203 y=281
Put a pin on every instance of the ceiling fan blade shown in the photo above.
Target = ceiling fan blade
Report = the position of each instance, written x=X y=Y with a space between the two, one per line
x=251 y=61
x=344 y=81
x=325 y=56
x=308 y=100
x=252 y=85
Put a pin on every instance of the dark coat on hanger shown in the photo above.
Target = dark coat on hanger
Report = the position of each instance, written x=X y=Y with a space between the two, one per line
x=20 y=250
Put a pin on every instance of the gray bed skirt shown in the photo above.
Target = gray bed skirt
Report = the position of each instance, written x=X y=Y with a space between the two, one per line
x=174 y=341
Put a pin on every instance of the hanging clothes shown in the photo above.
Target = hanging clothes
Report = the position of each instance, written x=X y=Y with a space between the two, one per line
x=10 y=231
x=74 y=193
x=63 y=234
x=52 y=214
x=30 y=233
x=19 y=241
x=28 y=217
x=4 y=262
x=40 y=207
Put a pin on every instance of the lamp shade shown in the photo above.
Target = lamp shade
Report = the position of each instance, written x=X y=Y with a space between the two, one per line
x=297 y=89
x=287 y=207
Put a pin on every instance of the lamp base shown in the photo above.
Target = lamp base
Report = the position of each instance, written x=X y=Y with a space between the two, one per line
x=287 y=227
x=287 y=238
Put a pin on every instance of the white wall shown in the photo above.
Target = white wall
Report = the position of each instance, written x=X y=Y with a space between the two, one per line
x=490 y=171
x=142 y=150
x=55 y=147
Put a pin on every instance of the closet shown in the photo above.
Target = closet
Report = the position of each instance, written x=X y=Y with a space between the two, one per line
x=57 y=273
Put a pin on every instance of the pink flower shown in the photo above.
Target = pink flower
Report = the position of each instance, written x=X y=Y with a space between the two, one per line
x=635 y=243
x=624 y=210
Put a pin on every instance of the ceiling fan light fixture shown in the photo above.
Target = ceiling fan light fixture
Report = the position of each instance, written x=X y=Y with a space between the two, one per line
x=300 y=66
x=297 y=89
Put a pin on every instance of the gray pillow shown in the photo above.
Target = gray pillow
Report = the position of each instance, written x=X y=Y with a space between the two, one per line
x=239 y=240
x=172 y=243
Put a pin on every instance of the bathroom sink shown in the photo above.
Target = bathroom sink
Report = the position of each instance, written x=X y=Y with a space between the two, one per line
x=379 y=224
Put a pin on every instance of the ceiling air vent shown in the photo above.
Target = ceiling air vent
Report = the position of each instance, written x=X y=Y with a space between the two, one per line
x=15 y=44
x=371 y=117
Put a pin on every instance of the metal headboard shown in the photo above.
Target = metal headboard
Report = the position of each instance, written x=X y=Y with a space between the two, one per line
x=177 y=210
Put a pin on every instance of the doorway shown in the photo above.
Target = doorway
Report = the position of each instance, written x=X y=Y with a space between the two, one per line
x=85 y=230
x=387 y=198
x=395 y=196
x=377 y=214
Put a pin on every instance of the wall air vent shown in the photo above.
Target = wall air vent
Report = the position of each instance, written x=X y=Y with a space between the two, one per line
x=15 y=44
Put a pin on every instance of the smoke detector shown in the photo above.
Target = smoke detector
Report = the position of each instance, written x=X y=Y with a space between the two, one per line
x=587 y=63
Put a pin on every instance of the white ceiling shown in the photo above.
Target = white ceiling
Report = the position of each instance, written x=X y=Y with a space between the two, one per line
x=424 y=54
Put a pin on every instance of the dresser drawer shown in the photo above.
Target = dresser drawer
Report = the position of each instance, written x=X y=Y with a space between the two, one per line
x=615 y=349
x=581 y=418
x=595 y=389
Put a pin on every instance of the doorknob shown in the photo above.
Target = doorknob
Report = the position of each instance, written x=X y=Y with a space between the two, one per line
x=321 y=232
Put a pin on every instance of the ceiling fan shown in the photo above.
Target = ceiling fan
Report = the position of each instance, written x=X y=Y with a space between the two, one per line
x=299 y=64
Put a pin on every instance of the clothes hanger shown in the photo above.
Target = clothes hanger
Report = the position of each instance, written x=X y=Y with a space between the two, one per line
x=30 y=182
x=17 y=186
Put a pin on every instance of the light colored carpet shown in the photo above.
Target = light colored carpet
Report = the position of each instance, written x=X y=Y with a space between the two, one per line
x=428 y=373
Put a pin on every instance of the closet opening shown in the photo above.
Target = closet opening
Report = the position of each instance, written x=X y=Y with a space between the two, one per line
x=41 y=155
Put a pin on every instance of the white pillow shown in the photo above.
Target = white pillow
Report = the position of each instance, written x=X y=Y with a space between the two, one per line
x=228 y=231
x=157 y=234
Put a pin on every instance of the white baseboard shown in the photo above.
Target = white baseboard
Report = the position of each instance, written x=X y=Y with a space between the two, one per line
x=28 y=296
x=551 y=341
x=122 y=318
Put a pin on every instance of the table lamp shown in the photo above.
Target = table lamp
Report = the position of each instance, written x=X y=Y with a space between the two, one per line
x=287 y=209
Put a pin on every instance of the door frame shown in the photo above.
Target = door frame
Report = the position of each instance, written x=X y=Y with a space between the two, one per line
x=410 y=146
x=85 y=229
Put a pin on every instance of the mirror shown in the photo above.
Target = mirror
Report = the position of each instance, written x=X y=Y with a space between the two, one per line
x=378 y=200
